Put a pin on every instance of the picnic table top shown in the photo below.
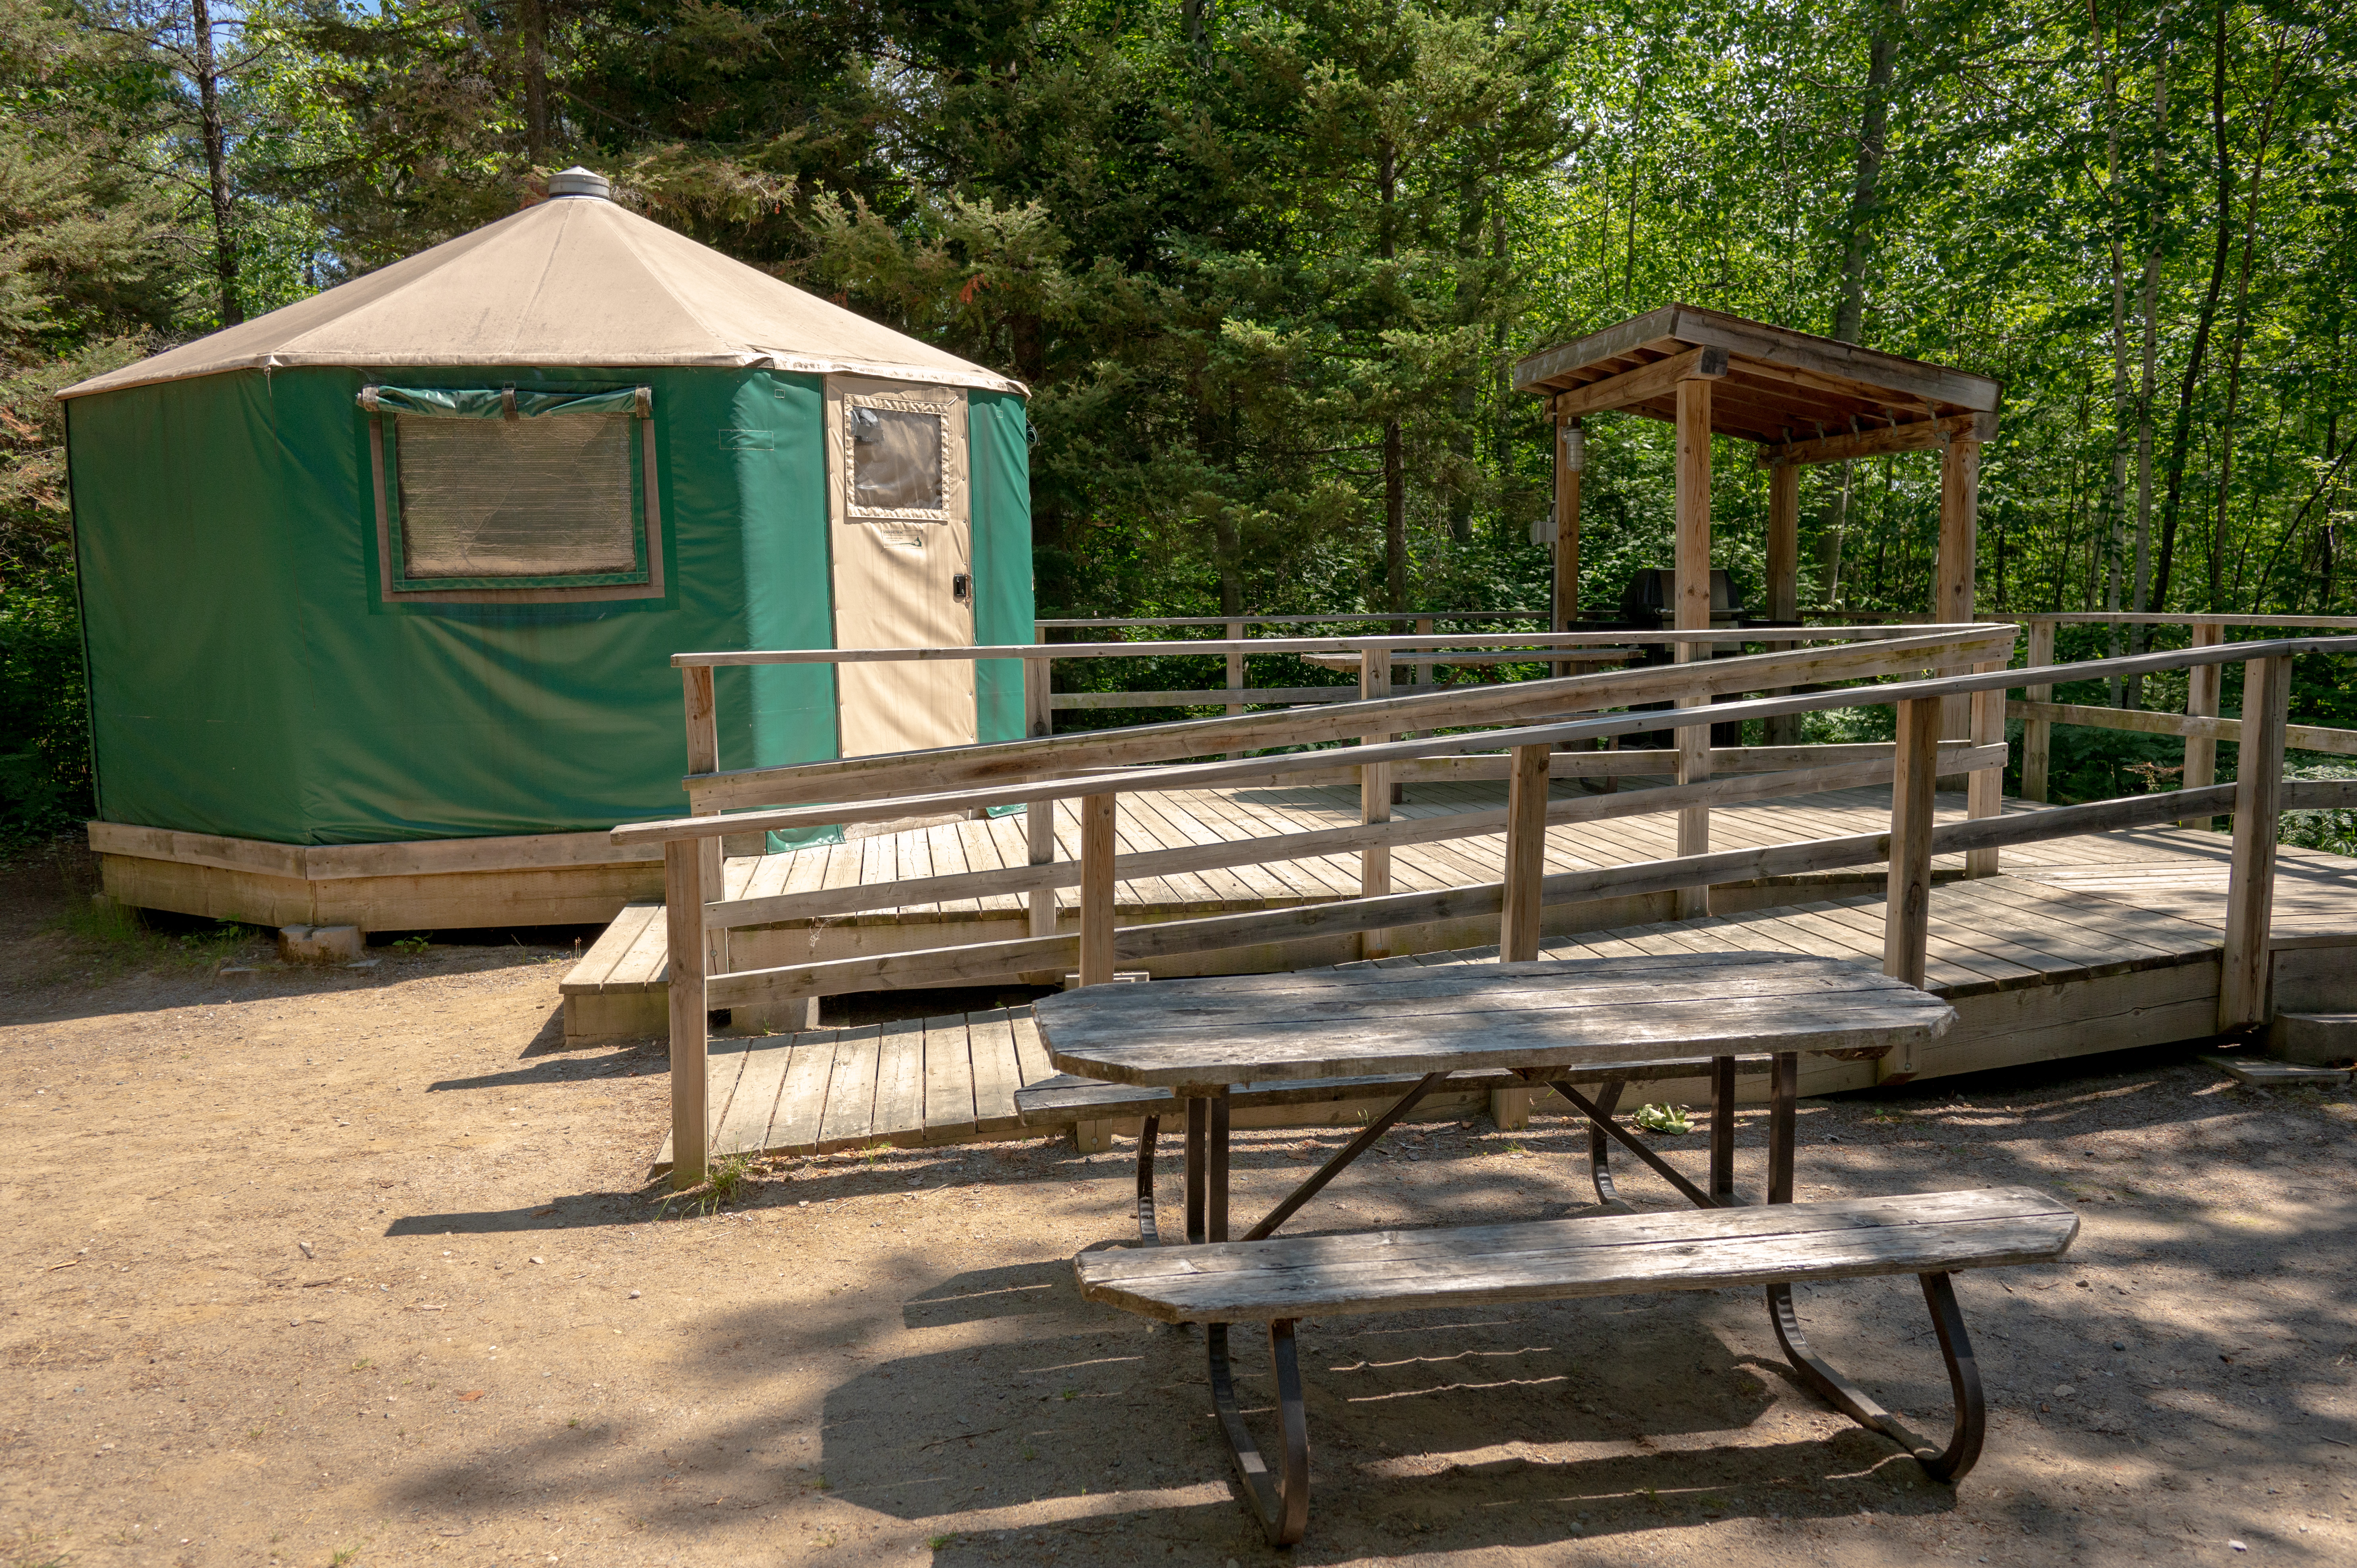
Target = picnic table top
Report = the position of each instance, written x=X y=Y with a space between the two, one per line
x=1562 y=1013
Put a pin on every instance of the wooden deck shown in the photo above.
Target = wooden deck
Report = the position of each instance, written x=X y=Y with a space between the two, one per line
x=616 y=989
x=2096 y=944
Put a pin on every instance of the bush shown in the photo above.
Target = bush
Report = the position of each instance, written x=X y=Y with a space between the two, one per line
x=45 y=779
x=2334 y=831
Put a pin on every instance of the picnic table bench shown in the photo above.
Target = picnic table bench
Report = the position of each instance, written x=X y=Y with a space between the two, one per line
x=1555 y=1024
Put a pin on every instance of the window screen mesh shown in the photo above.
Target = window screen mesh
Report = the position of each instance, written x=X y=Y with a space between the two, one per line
x=896 y=460
x=522 y=497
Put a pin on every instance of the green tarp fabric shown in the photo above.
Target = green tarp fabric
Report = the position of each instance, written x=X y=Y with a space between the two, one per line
x=247 y=681
x=1000 y=463
x=499 y=402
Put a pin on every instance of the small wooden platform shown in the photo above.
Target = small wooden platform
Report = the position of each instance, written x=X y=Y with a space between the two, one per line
x=2045 y=962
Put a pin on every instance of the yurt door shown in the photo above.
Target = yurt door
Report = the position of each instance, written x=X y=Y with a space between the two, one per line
x=903 y=553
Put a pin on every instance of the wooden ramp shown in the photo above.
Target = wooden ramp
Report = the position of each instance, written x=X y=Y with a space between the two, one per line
x=616 y=990
x=2091 y=955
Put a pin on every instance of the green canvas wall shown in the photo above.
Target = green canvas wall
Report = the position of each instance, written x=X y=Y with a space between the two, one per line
x=247 y=681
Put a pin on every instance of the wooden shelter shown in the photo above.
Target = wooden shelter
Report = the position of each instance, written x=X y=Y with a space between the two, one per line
x=1803 y=399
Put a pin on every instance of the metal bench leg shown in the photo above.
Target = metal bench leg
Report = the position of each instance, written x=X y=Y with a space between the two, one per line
x=1599 y=1147
x=1963 y=1449
x=1282 y=1502
x=1147 y=1128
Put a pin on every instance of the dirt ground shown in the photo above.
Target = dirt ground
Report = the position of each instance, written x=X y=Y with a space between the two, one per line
x=360 y=1266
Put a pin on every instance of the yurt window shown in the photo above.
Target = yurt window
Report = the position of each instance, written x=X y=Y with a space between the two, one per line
x=898 y=456
x=498 y=493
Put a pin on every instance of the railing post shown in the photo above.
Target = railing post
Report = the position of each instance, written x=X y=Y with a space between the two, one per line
x=1039 y=816
x=690 y=1089
x=2037 y=735
x=2202 y=685
x=1375 y=796
x=1692 y=580
x=1526 y=806
x=1235 y=670
x=1906 y=914
x=2258 y=804
x=1984 y=788
x=704 y=757
x=1783 y=580
x=1100 y=841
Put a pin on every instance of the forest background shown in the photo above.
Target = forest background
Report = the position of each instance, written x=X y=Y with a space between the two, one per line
x=1264 y=266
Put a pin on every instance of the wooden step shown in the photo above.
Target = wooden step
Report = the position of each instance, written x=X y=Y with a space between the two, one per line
x=1611 y=1255
x=2313 y=1039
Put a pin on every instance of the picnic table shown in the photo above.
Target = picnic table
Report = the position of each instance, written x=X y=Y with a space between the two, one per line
x=1562 y=1023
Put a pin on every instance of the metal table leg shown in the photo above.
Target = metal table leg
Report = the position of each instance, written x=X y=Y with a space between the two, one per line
x=1198 y=1121
x=1722 y=1130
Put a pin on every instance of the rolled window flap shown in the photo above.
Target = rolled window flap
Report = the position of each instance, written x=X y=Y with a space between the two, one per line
x=503 y=402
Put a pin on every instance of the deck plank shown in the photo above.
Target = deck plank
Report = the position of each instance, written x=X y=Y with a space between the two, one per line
x=850 y=1119
x=901 y=1080
x=801 y=1100
x=949 y=1080
x=998 y=1073
x=745 y=1128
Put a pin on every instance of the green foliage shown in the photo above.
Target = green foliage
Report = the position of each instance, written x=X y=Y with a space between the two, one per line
x=1666 y=1119
x=2334 y=831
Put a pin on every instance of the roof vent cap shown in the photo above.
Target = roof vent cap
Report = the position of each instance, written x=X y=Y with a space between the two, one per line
x=580 y=181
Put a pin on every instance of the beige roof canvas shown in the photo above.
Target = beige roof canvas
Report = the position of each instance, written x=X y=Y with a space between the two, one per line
x=575 y=280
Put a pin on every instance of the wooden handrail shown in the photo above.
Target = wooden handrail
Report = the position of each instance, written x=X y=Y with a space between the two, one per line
x=824 y=903
x=1299 y=620
x=1202 y=774
x=1454 y=707
x=2129 y=618
x=980 y=961
x=1440 y=642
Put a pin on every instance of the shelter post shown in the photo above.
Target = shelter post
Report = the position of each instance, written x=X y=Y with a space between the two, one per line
x=1783 y=576
x=1960 y=488
x=1693 y=614
x=1570 y=460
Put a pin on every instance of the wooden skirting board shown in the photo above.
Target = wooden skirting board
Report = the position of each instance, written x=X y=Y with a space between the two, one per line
x=542 y=879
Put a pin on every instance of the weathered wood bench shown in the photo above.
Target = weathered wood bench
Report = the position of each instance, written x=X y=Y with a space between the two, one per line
x=1281 y=1282
x=1068 y=1100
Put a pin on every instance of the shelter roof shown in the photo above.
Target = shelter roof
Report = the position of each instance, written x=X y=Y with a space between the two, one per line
x=1788 y=391
x=575 y=280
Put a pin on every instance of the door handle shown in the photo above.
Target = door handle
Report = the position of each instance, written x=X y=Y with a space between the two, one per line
x=961 y=588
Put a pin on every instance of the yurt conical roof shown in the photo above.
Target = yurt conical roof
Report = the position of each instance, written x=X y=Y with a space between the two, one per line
x=575 y=280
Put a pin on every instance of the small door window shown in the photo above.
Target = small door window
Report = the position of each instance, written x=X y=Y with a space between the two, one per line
x=897 y=461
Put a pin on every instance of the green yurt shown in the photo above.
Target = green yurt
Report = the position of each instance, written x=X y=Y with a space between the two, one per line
x=405 y=563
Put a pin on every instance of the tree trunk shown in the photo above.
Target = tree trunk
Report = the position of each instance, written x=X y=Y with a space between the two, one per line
x=2148 y=385
x=535 y=81
x=208 y=128
x=2181 y=435
x=1395 y=462
x=2241 y=326
x=2115 y=498
x=1882 y=55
